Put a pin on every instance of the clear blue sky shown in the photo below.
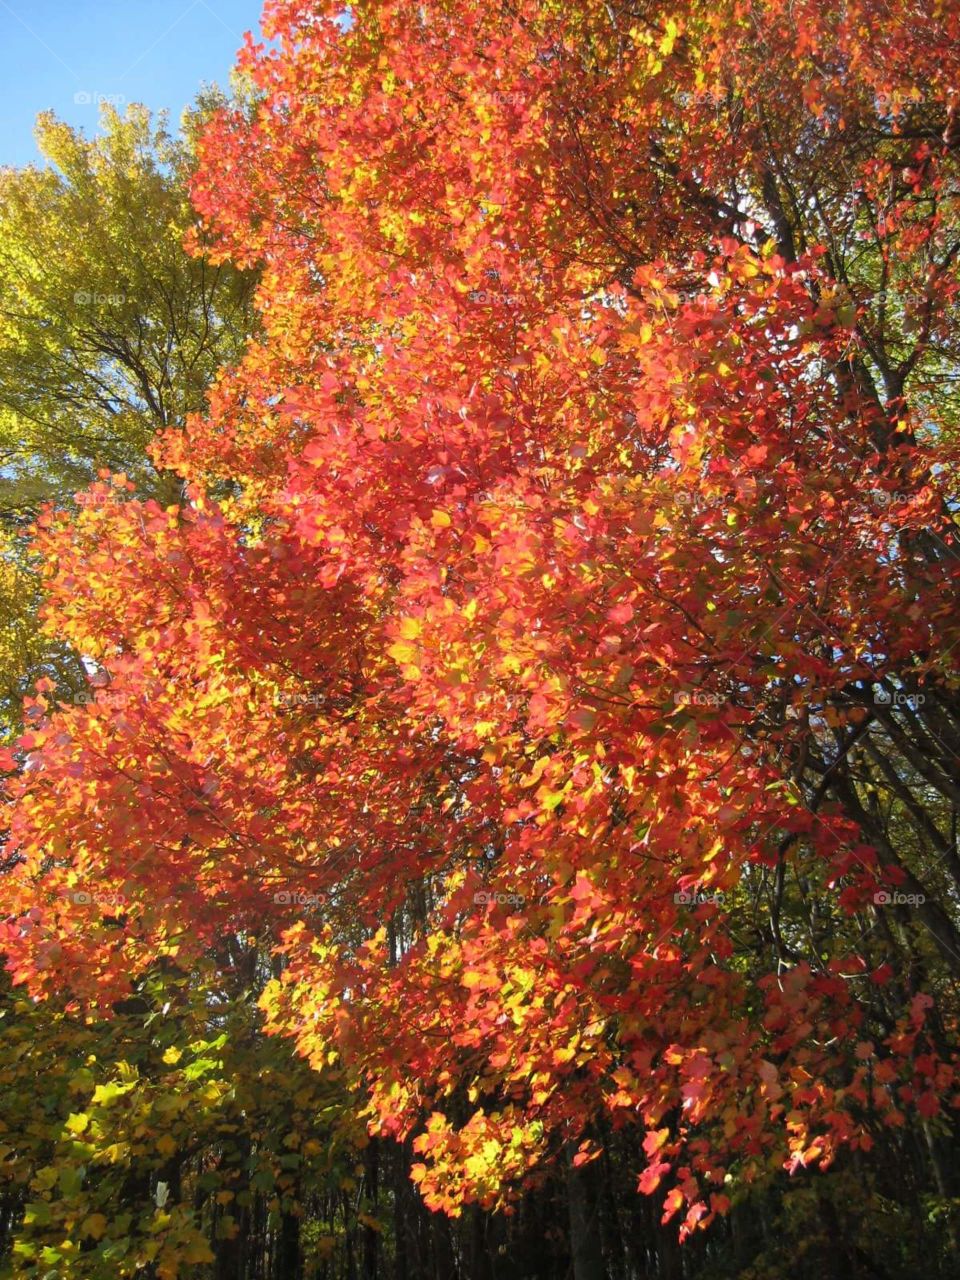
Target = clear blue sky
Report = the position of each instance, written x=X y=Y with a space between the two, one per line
x=63 y=54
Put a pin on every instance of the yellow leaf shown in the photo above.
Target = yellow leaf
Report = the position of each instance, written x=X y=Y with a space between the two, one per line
x=166 y=1145
x=439 y=519
x=670 y=38
x=402 y=652
x=198 y=1251
x=410 y=628
x=94 y=1225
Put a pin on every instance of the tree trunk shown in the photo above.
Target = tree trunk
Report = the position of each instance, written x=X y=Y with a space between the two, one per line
x=585 y=1245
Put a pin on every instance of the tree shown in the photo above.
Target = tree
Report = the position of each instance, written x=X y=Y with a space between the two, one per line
x=566 y=598
x=125 y=1142
x=109 y=332
x=170 y=1138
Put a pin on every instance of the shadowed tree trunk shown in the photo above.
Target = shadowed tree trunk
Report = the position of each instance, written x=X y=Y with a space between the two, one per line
x=582 y=1203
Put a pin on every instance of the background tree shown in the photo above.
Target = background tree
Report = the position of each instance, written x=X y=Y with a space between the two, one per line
x=109 y=332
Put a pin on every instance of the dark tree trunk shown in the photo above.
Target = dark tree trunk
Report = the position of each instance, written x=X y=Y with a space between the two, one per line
x=586 y=1249
x=371 y=1238
x=287 y=1258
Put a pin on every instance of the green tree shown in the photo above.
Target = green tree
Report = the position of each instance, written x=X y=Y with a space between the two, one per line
x=110 y=331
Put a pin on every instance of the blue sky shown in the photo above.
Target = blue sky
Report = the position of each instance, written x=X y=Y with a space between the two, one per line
x=65 y=54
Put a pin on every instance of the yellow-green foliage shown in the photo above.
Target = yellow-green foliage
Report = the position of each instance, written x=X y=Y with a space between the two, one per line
x=109 y=332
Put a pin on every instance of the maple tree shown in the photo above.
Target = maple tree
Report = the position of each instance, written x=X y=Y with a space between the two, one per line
x=563 y=611
x=114 y=1159
x=169 y=1137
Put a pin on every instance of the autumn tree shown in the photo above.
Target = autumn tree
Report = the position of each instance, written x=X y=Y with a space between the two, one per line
x=170 y=1136
x=566 y=600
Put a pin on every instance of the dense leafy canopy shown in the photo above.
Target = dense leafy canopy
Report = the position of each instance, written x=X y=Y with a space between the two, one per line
x=555 y=657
